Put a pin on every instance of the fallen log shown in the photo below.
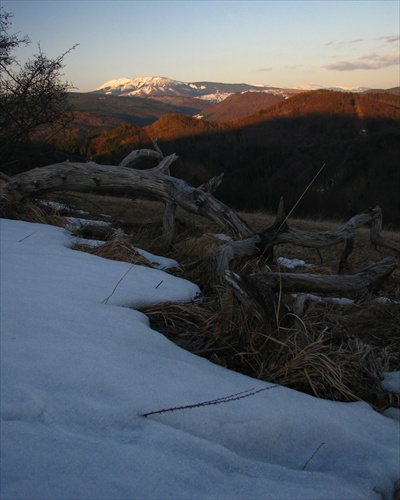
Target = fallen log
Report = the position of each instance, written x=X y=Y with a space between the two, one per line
x=380 y=241
x=153 y=183
x=371 y=277
x=324 y=238
x=138 y=155
x=258 y=292
x=232 y=250
x=345 y=233
x=280 y=233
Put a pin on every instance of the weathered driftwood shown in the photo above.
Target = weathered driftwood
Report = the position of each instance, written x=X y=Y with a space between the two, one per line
x=258 y=291
x=378 y=240
x=280 y=232
x=258 y=298
x=232 y=250
x=212 y=185
x=326 y=238
x=247 y=293
x=371 y=277
x=153 y=183
x=138 y=154
x=345 y=233
x=302 y=298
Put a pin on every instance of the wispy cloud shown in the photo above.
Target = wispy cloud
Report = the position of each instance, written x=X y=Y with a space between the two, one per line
x=341 y=43
x=335 y=44
x=371 y=61
x=390 y=39
x=264 y=69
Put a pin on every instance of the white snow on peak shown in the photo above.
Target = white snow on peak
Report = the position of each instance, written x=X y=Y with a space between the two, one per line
x=159 y=85
x=142 y=85
x=115 y=83
x=216 y=97
x=201 y=87
x=260 y=85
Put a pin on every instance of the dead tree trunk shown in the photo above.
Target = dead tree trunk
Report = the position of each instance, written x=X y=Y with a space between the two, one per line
x=345 y=233
x=280 y=233
x=378 y=240
x=371 y=277
x=257 y=292
x=153 y=183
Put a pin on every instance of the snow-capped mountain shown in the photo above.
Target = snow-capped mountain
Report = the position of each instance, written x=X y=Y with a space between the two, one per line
x=145 y=86
x=158 y=86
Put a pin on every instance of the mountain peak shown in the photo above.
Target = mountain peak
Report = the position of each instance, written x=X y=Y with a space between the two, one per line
x=160 y=86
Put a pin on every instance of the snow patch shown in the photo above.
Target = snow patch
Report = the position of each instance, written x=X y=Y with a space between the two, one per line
x=391 y=381
x=292 y=263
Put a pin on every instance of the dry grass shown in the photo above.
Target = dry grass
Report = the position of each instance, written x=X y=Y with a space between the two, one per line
x=16 y=207
x=330 y=351
x=314 y=355
x=114 y=249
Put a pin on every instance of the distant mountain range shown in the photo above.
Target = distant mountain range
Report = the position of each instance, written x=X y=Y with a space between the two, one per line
x=159 y=86
x=142 y=101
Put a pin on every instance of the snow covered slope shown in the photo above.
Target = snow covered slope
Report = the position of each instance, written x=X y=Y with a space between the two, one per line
x=78 y=373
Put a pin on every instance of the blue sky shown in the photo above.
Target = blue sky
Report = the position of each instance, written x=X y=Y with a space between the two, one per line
x=281 y=43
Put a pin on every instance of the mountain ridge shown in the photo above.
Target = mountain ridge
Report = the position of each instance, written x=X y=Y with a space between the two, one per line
x=157 y=86
x=150 y=86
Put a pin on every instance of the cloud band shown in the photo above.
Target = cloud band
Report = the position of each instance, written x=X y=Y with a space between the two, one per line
x=370 y=62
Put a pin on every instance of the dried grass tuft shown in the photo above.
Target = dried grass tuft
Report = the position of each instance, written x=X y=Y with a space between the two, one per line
x=16 y=207
x=195 y=256
x=114 y=249
x=309 y=356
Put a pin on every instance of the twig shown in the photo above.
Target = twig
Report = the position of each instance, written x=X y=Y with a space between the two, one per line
x=116 y=286
x=312 y=456
x=225 y=399
x=303 y=193
x=19 y=241
x=283 y=222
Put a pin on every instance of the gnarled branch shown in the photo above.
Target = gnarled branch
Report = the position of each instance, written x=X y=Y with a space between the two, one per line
x=371 y=277
x=153 y=183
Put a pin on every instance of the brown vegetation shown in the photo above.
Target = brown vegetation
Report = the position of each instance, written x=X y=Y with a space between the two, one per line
x=277 y=151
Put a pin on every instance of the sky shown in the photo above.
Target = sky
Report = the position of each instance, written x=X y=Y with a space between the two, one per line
x=280 y=43
x=84 y=379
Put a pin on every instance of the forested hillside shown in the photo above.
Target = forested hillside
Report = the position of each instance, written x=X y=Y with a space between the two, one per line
x=277 y=151
x=272 y=153
x=240 y=105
